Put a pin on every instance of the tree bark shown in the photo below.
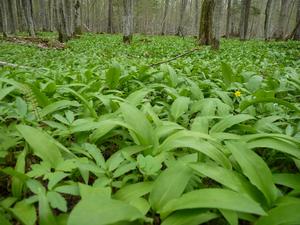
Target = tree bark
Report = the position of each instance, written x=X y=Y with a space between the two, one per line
x=206 y=23
x=3 y=9
x=128 y=21
x=279 y=34
x=245 y=13
x=296 y=36
x=27 y=6
x=183 y=5
x=267 y=19
x=77 y=18
x=197 y=16
x=228 y=19
x=13 y=18
x=163 y=29
x=217 y=15
x=61 y=21
x=110 y=17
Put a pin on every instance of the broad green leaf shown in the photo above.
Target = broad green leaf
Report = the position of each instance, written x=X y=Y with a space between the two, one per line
x=229 y=121
x=179 y=107
x=170 y=184
x=287 y=214
x=189 y=217
x=42 y=144
x=5 y=91
x=103 y=211
x=230 y=216
x=4 y=220
x=255 y=168
x=57 y=201
x=133 y=191
x=113 y=75
x=142 y=127
x=24 y=212
x=46 y=216
x=287 y=179
x=56 y=106
x=213 y=198
x=228 y=75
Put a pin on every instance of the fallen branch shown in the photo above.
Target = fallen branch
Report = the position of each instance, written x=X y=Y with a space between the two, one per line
x=176 y=57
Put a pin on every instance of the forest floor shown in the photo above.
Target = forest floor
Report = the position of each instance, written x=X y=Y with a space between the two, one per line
x=153 y=142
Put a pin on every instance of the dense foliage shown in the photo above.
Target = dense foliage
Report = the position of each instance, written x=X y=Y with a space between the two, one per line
x=94 y=135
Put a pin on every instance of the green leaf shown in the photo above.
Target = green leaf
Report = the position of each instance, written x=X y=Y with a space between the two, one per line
x=103 y=211
x=170 y=184
x=42 y=144
x=24 y=212
x=142 y=127
x=133 y=191
x=255 y=168
x=228 y=75
x=17 y=184
x=46 y=216
x=5 y=91
x=189 y=217
x=56 y=106
x=113 y=75
x=57 y=201
x=214 y=198
x=179 y=107
x=4 y=220
x=288 y=180
x=229 y=121
x=287 y=214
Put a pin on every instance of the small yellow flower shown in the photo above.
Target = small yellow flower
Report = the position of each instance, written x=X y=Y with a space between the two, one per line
x=237 y=94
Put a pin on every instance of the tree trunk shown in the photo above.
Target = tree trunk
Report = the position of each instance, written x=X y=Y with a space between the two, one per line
x=183 y=5
x=128 y=21
x=217 y=14
x=13 y=21
x=4 y=10
x=296 y=36
x=206 y=23
x=61 y=21
x=197 y=16
x=163 y=29
x=68 y=11
x=43 y=16
x=279 y=34
x=245 y=13
x=27 y=6
x=77 y=18
x=110 y=17
x=228 y=19
x=267 y=19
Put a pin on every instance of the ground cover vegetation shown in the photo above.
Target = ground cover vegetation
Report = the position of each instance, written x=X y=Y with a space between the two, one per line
x=104 y=133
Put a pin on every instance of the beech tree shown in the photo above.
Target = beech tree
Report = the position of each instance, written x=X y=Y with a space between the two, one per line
x=77 y=18
x=267 y=19
x=244 y=21
x=4 y=18
x=61 y=21
x=166 y=9
x=228 y=18
x=279 y=34
x=27 y=7
x=110 y=19
x=128 y=21
x=183 y=5
x=206 y=22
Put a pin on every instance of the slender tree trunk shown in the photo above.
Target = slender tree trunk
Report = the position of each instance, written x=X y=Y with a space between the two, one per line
x=4 y=9
x=245 y=13
x=1 y=26
x=77 y=18
x=68 y=11
x=27 y=6
x=183 y=5
x=43 y=16
x=163 y=29
x=267 y=19
x=110 y=17
x=128 y=21
x=206 y=22
x=296 y=36
x=197 y=16
x=279 y=34
x=228 y=19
